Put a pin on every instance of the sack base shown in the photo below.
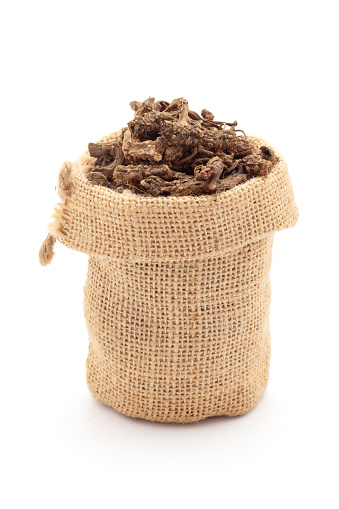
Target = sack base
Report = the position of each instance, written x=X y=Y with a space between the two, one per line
x=234 y=403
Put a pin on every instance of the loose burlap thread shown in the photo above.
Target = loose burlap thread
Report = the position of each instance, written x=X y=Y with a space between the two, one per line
x=177 y=295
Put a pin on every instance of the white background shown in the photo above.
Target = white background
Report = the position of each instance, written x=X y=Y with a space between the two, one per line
x=70 y=70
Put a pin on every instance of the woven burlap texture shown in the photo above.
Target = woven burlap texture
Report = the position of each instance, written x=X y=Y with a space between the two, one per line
x=177 y=295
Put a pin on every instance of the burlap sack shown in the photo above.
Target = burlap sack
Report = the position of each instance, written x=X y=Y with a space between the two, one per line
x=177 y=295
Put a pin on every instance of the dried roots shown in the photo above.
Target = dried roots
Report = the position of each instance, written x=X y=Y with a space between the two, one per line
x=168 y=149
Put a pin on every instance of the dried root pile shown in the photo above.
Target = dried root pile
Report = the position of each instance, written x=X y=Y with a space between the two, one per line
x=168 y=149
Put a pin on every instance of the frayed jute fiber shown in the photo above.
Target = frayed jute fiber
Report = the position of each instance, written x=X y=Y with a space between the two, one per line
x=177 y=295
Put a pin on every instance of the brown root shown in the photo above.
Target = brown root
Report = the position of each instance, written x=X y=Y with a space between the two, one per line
x=135 y=150
x=256 y=166
x=97 y=177
x=268 y=154
x=207 y=114
x=100 y=149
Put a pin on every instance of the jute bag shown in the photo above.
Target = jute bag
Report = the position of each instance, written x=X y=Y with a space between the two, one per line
x=177 y=296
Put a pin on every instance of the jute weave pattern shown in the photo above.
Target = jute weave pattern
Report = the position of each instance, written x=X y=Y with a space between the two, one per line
x=177 y=294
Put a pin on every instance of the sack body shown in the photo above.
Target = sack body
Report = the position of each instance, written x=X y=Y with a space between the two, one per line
x=177 y=296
